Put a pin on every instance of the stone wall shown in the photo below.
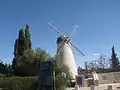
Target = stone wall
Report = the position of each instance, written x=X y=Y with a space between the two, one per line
x=105 y=78
x=115 y=86
x=116 y=76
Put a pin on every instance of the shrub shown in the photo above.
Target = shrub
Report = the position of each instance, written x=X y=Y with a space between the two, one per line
x=18 y=83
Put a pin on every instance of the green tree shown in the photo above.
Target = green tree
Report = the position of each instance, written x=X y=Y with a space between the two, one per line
x=21 y=43
x=41 y=55
x=2 y=68
x=27 y=37
x=14 y=64
x=16 y=48
x=22 y=49
x=5 y=68
x=27 y=65
x=19 y=49
x=114 y=60
x=62 y=77
x=29 y=55
x=25 y=61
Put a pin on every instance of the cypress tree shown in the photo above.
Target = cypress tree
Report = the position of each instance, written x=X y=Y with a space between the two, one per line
x=16 y=48
x=27 y=37
x=14 y=64
x=19 y=49
x=21 y=43
x=114 y=59
x=27 y=33
x=21 y=34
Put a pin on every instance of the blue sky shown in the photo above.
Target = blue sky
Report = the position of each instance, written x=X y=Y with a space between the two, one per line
x=98 y=20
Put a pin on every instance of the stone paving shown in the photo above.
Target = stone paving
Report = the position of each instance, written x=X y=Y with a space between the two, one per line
x=115 y=86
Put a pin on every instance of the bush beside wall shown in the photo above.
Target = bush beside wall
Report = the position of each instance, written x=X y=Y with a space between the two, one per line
x=18 y=83
x=27 y=83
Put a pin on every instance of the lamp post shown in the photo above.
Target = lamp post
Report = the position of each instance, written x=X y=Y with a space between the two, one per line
x=53 y=66
x=54 y=87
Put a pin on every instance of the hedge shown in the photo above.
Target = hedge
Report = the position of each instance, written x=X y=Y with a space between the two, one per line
x=27 y=83
x=18 y=83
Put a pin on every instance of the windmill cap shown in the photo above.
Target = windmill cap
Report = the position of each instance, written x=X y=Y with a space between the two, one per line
x=61 y=38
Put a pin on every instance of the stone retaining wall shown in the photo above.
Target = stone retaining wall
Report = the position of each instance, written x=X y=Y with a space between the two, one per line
x=105 y=78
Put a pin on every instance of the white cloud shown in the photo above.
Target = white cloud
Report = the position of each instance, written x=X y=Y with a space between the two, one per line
x=96 y=54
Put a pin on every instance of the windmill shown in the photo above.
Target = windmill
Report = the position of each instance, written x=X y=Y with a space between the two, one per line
x=64 y=51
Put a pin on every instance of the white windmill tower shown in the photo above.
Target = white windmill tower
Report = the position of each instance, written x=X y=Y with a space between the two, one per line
x=64 y=51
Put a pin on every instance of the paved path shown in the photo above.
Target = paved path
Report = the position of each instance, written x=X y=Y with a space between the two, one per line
x=116 y=86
